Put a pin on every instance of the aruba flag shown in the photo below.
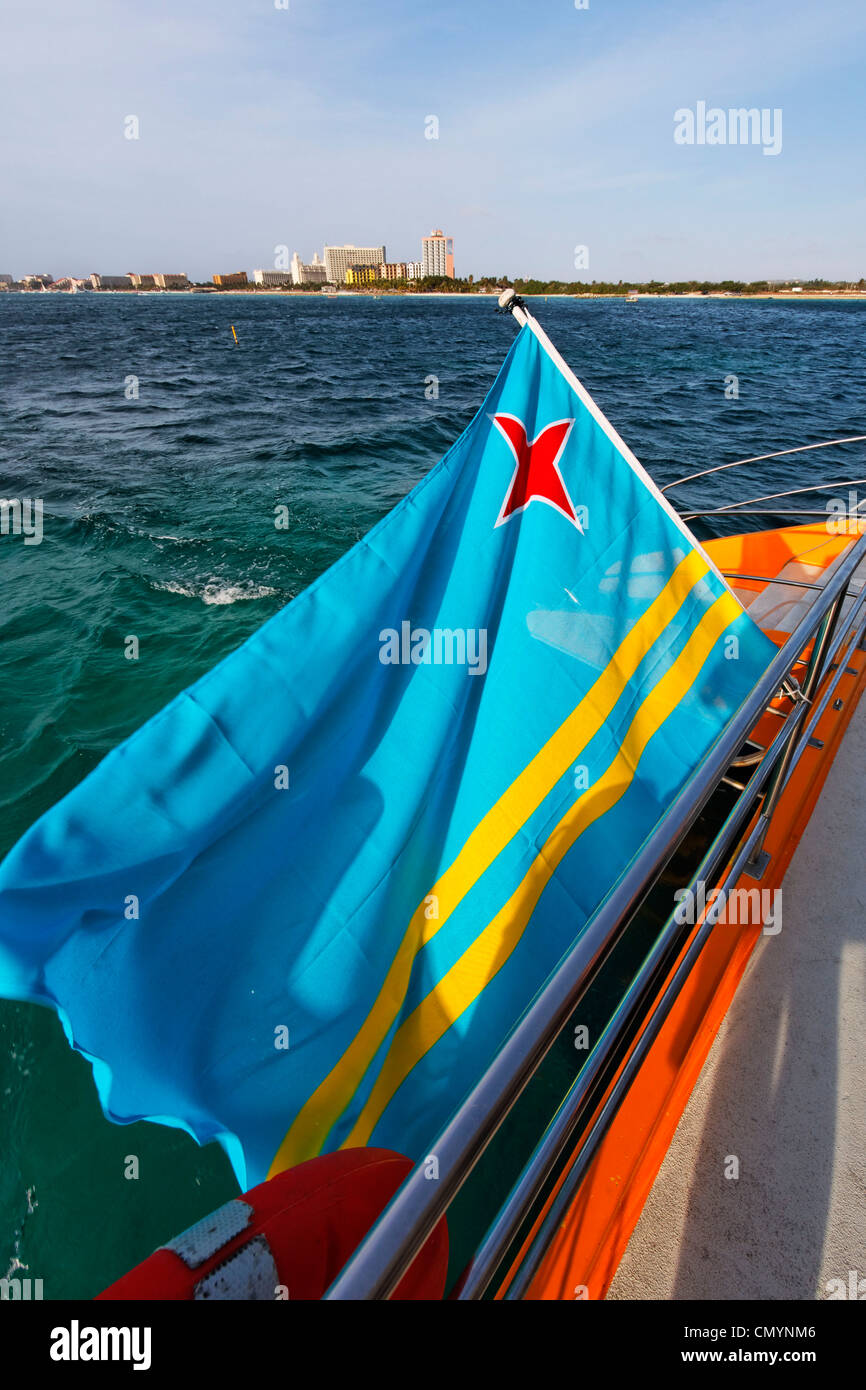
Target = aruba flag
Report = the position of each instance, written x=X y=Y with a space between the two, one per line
x=301 y=907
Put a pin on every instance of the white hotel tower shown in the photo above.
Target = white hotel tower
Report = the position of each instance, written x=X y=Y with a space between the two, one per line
x=437 y=254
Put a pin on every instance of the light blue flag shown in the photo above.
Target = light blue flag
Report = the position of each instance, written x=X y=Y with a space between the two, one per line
x=301 y=907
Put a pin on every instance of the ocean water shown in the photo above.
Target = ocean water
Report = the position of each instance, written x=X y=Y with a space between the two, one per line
x=161 y=450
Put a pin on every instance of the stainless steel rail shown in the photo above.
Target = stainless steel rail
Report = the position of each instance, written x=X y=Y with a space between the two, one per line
x=813 y=675
x=772 y=579
x=380 y=1261
x=578 y=1102
x=759 y=458
x=743 y=510
x=774 y=496
x=535 y=1254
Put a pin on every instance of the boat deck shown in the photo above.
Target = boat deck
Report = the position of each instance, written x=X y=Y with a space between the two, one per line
x=783 y=1089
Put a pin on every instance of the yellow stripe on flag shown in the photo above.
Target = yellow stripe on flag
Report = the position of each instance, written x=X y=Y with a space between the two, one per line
x=469 y=976
x=493 y=832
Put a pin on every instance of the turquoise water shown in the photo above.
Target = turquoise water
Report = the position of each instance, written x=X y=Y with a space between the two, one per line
x=159 y=522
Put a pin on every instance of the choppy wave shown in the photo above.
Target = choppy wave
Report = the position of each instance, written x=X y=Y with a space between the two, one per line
x=215 y=591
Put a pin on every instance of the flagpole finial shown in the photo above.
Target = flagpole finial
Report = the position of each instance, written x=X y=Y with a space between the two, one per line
x=511 y=303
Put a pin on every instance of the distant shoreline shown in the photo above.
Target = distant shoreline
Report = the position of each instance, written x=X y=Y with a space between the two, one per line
x=305 y=297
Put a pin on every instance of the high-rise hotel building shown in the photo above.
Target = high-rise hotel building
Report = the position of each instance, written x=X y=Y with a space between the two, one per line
x=313 y=274
x=437 y=255
x=338 y=259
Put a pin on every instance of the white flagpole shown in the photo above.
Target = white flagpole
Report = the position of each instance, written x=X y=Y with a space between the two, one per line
x=508 y=300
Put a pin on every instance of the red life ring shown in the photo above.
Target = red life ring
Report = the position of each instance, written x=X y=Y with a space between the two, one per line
x=288 y=1238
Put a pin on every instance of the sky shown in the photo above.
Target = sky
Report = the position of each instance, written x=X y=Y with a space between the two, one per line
x=261 y=127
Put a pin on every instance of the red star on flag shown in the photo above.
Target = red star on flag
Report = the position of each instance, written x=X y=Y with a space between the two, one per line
x=537 y=477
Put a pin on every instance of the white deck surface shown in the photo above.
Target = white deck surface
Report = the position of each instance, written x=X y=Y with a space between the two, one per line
x=783 y=1089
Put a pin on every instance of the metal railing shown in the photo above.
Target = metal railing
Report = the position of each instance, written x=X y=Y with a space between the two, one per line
x=783 y=747
x=379 y=1263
